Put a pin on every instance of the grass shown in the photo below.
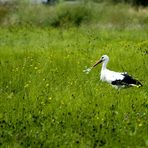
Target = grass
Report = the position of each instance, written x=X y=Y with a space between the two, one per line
x=47 y=101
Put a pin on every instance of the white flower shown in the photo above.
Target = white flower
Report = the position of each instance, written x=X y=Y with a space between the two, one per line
x=87 y=70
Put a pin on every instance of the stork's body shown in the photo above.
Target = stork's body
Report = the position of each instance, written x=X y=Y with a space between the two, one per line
x=116 y=79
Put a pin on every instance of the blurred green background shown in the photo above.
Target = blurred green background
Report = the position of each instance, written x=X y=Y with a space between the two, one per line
x=60 y=13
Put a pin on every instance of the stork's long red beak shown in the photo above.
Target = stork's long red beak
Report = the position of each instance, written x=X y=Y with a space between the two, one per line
x=98 y=62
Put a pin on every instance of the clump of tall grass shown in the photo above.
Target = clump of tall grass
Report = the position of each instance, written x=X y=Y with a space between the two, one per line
x=72 y=14
x=4 y=10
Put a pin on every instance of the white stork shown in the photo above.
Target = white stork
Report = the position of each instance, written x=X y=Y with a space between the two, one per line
x=116 y=79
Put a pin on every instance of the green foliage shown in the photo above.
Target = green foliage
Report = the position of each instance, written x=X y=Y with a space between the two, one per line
x=47 y=101
x=131 y=2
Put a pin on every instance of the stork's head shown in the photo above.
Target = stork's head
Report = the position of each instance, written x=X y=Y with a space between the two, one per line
x=103 y=59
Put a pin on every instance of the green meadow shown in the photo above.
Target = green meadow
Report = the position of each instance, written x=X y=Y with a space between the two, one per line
x=46 y=100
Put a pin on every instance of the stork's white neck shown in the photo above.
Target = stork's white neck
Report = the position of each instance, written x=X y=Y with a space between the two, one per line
x=104 y=65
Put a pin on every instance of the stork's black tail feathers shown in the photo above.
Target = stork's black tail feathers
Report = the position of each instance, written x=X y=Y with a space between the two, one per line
x=128 y=80
x=138 y=83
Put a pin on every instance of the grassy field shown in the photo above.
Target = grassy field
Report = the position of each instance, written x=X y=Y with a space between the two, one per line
x=47 y=101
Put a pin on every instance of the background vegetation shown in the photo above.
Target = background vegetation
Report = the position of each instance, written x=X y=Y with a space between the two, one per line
x=72 y=14
x=45 y=98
